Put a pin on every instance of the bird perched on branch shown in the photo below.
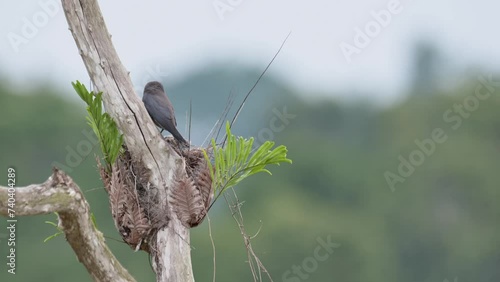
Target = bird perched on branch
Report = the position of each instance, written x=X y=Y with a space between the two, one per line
x=160 y=109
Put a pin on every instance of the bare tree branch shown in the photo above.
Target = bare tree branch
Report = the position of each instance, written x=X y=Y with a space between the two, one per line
x=60 y=194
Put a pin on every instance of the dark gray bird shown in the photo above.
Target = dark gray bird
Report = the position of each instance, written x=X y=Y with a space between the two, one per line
x=160 y=109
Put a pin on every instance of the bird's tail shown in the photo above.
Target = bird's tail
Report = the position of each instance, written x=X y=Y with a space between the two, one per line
x=179 y=137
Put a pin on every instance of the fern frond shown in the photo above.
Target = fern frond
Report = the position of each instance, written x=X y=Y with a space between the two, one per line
x=235 y=162
x=104 y=127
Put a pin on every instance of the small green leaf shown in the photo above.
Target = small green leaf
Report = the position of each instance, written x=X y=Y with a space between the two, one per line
x=52 y=237
x=56 y=226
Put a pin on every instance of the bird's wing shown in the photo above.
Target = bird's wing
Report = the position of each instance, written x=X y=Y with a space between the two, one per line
x=172 y=113
x=163 y=111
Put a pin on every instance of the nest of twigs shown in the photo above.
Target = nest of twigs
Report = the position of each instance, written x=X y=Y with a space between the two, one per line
x=135 y=204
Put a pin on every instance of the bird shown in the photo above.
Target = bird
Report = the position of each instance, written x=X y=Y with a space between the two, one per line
x=160 y=109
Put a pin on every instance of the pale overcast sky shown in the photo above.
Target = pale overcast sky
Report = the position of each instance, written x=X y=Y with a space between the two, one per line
x=176 y=36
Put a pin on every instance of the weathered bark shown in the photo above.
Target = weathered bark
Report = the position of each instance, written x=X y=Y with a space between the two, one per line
x=172 y=251
x=60 y=194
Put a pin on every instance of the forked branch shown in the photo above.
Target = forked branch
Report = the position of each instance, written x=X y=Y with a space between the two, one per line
x=60 y=194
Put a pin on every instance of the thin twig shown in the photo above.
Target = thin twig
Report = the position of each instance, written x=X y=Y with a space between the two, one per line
x=94 y=189
x=213 y=244
x=235 y=207
x=258 y=231
x=219 y=122
x=255 y=84
x=229 y=104
x=190 y=120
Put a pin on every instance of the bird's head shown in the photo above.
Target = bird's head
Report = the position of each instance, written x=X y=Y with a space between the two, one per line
x=154 y=87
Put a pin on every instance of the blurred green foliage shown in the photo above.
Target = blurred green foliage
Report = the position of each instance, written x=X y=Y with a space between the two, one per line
x=441 y=222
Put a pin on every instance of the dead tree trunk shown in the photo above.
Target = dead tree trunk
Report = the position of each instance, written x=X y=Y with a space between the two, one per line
x=171 y=248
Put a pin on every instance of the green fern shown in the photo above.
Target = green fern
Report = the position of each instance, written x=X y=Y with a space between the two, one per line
x=234 y=162
x=102 y=124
